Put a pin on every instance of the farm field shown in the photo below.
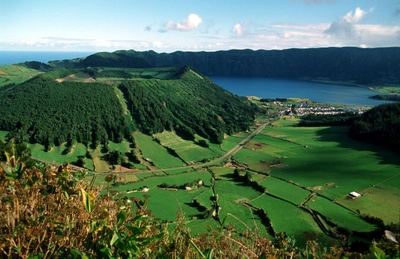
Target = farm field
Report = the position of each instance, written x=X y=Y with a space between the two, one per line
x=188 y=151
x=15 y=74
x=291 y=167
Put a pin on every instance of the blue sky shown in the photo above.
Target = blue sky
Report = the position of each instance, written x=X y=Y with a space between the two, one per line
x=202 y=25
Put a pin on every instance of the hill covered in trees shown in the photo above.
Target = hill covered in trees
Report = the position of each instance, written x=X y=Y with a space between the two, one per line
x=73 y=106
x=380 y=125
x=350 y=65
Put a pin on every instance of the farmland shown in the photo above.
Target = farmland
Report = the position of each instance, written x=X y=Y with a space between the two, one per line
x=285 y=179
x=300 y=179
x=15 y=74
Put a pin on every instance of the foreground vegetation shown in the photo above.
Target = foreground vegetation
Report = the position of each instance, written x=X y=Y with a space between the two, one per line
x=49 y=212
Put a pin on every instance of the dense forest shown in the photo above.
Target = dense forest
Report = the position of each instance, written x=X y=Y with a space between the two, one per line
x=380 y=125
x=316 y=120
x=375 y=66
x=44 y=111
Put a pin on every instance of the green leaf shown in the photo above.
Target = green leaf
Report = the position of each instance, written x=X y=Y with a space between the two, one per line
x=114 y=239
x=88 y=200
x=121 y=217
x=376 y=252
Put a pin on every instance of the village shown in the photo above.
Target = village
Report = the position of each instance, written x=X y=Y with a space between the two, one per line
x=305 y=108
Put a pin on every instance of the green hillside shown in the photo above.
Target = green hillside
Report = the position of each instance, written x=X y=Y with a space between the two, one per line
x=100 y=105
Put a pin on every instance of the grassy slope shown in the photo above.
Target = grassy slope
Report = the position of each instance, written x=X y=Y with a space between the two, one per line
x=16 y=74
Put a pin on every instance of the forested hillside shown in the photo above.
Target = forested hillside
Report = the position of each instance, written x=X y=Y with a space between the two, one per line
x=51 y=110
x=377 y=66
x=380 y=125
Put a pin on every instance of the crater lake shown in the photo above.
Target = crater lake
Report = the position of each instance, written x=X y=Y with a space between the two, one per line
x=285 y=88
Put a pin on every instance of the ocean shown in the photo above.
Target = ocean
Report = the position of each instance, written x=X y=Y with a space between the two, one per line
x=14 y=57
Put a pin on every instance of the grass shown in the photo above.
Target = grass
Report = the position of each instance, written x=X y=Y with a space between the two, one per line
x=15 y=74
x=158 y=154
x=377 y=201
x=231 y=196
x=56 y=154
x=338 y=215
x=187 y=150
x=255 y=160
x=284 y=190
x=285 y=217
x=205 y=198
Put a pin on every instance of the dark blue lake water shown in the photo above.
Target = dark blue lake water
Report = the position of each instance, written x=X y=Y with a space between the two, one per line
x=282 y=88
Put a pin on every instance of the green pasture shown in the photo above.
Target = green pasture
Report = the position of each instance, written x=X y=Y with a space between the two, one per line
x=285 y=217
x=326 y=160
x=176 y=179
x=338 y=215
x=229 y=142
x=231 y=198
x=159 y=155
x=99 y=164
x=258 y=177
x=284 y=190
x=187 y=150
x=56 y=154
x=223 y=173
x=387 y=89
x=273 y=147
x=143 y=176
x=123 y=147
x=253 y=159
x=378 y=201
x=178 y=171
x=16 y=74
x=205 y=198
x=166 y=204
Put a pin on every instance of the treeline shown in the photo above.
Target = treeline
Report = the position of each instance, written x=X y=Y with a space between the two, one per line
x=115 y=59
x=315 y=120
x=44 y=111
x=386 y=97
x=379 y=125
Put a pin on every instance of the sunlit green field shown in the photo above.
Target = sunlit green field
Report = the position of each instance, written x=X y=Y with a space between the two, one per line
x=156 y=153
x=14 y=74
x=339 y=215
x=56 y=154
x=187 y=150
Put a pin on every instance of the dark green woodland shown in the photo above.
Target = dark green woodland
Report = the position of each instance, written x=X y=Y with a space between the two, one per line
x=45 y=111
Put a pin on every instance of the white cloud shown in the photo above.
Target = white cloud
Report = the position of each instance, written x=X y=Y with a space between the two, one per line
x=349 y=31
x=192 y=22
x=345 y=27
x=356 y=16
x=237 y=29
